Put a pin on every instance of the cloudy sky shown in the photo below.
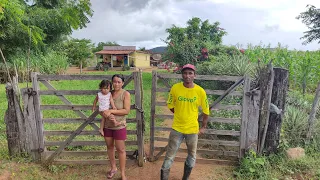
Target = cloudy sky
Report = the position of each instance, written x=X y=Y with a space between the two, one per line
x=142 y=23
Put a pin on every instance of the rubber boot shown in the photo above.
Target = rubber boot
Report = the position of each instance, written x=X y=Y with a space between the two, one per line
x=165 y=174
x=186 y=172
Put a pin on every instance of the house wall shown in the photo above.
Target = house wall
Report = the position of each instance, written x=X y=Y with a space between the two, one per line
x=115 y=63
x=140 y=59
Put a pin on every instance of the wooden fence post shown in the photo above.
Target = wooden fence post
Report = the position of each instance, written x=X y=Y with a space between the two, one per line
x=32 y=141
x=313 y=113
x=139 y=110
x=38 y=117
x=266 y=83
x=253 y=117
x=279 y=94
x=244 y=118
x=15 y=145
x=153 y=111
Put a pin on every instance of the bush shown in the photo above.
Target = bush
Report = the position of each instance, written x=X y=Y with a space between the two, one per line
x=251 y=167
x=50 y=63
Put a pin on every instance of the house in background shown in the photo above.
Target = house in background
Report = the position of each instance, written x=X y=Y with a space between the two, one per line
x=157 y=54
x=119 y=56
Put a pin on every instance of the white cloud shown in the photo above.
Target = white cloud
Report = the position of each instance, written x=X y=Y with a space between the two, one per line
x=281 y=12
x=143 y=23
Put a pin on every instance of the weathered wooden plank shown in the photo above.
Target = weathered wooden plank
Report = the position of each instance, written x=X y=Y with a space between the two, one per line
x=208 y=91
x=78 y=120
x=74 y=92
x=162 y=116
x=15 y=147
x=77 y=77
x=244 y=116
x=66 y=101
x=84 y=153
x=37 y=112
x=152 y=113
x=72 y=107
x=85 y=162
x=32 y=142
x=162 y=90
x=71 y=137
x=220 y=98
x=85 y=143
x=140 y=139
x=205 y=142
x=206 y=152
x=313 y=112
x=253 y=116
x=65 y=133
x=223 y=120
x=266 y=83
x=208 y=131
x=210 y=119
x=218 y=106
x=127 y=80
x=162 y=128
x=203 y=77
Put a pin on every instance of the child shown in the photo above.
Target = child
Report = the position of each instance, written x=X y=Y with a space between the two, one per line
x=104 y=97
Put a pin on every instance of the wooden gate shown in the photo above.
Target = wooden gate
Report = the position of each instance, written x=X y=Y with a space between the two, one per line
x=83 y=140
x=226 y=138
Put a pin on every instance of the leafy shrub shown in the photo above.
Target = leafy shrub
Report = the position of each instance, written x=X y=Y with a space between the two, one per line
x=251 y=167
x=125 y=68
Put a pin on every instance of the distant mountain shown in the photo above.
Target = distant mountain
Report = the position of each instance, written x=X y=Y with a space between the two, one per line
x=160 y=49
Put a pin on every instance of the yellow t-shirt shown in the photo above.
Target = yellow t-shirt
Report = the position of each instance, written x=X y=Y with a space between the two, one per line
x=186 y=102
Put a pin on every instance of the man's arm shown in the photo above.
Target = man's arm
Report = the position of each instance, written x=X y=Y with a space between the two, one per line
x=205 y=120
x=171 y=100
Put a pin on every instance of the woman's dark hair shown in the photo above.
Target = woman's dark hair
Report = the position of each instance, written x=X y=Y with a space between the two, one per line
x=105 y=83
x=118 y=76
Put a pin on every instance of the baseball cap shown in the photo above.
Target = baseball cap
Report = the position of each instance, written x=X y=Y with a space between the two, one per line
x=189 y=66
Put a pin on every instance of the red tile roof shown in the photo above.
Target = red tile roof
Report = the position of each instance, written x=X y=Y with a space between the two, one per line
x=114 y=52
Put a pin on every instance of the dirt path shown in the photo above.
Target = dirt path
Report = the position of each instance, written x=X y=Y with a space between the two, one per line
x=151 y=170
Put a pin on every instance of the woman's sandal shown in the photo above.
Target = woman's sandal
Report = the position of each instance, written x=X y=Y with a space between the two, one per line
x=111 y=173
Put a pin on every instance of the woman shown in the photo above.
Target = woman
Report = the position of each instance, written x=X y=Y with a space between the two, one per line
x=115 y=136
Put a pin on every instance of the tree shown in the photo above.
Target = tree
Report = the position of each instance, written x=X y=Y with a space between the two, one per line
x=189 y=44
x=45 y=22
x=142 y=48
x=311 y=18
x=78 y=50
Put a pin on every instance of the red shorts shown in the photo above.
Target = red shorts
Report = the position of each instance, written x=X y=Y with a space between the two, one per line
x=119 y=134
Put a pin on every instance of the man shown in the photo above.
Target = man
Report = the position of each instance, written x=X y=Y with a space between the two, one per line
x=184 y=100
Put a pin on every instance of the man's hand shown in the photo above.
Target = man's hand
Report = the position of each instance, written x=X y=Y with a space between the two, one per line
x=202 y=130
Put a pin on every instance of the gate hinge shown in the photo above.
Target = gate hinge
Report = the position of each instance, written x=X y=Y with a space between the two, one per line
x=31 y=92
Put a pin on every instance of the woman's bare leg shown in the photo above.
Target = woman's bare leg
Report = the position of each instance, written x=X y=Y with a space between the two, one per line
x=111 y=154
x=121 y=149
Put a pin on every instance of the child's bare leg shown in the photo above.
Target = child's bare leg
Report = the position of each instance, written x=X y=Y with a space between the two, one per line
x=102 y=122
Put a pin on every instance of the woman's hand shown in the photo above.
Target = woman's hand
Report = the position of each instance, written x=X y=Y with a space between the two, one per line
x=106 y=113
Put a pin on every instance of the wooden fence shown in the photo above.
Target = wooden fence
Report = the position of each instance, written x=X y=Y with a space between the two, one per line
x=234 y=142
x=39 y=139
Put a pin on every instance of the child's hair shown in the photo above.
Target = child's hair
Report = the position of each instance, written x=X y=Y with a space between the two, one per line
x=105 y=83
x=118 y=76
